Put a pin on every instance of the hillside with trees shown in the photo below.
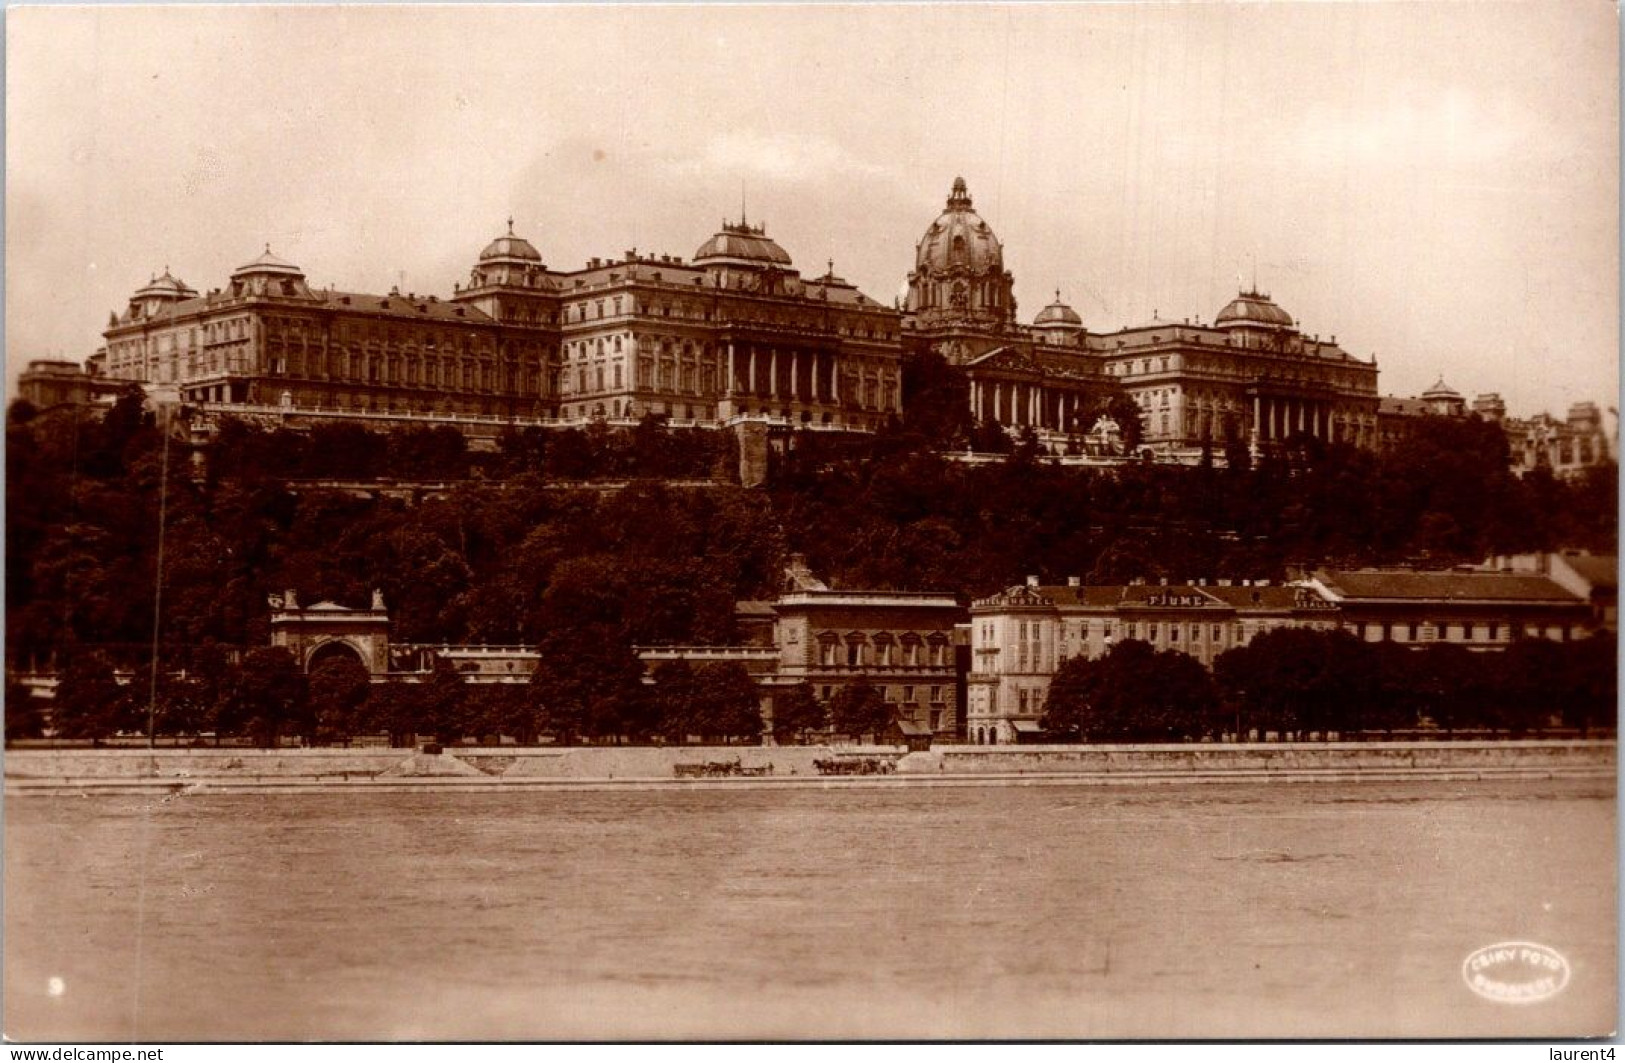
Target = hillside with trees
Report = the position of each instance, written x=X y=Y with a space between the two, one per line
x=517 y=548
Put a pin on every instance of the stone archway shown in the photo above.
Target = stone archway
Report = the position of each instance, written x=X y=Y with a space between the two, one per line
x=331 y=649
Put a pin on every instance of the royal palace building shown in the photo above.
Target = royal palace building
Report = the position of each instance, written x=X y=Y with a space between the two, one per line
x=1252 y=375
x=734 y=332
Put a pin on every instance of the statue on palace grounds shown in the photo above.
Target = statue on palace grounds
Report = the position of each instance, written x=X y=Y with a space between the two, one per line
x=1106 y=436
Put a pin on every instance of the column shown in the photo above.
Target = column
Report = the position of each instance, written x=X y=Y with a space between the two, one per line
x=729 y=389
x=750 y=371
x=834 y=379
x=1258 y=407
x=773 y=373
x=795 y=372
x=1303 y=411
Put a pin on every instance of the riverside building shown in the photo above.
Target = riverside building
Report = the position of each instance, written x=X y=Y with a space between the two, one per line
x=1020 y=636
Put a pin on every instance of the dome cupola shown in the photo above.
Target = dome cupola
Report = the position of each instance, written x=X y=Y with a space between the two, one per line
x=509 y=261
x=959 y=276
x=741 y=244
x=269 y=277
x=1444 y=400
x=510 y=248
x=158 y=293
x=1057 y=322
x=1253 y=309
x=1058 y=313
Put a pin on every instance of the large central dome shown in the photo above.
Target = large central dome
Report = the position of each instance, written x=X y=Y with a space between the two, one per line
x=959 y=280
x=959 y=238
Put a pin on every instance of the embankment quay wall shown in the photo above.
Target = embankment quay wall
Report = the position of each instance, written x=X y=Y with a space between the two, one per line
x=45 y=771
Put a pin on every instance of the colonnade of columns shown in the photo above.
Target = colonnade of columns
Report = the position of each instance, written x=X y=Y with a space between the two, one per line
x=799 y=376
x=1276 y=418
x=1016 y=404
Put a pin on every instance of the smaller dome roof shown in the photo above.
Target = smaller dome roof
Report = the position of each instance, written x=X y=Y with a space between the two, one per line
x=510 y=246
x=1441 y=390
x=742 y=243
x=269 y=263
x=1058 y=313
x=1253 y=308
x=167 y=287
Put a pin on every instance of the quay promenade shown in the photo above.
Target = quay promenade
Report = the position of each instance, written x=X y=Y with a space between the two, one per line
x=477 y=769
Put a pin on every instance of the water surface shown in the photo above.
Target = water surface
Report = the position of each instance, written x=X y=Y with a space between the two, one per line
x=1297 y=910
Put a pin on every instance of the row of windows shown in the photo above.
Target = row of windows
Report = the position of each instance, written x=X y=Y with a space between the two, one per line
x=1460 y=632
x=884 y=650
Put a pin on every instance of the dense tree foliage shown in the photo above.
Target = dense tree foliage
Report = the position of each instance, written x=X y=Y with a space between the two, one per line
x=1297 y=681
x=89 y=701
x=1134 y=693
x=513 y=548
x=860 y=709
x=796 y=712
x=269 y=698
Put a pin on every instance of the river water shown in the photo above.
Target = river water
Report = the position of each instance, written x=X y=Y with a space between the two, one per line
x=1251 y=911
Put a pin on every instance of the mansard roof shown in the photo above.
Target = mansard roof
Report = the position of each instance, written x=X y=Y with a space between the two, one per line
x=1368 y=585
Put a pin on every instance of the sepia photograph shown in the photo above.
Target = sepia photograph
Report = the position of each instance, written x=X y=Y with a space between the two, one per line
x=938 y=522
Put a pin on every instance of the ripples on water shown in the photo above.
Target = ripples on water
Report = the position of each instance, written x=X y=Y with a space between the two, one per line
x=1207 y=911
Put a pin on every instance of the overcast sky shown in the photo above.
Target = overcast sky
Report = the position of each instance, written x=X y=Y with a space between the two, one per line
x=1435 y=183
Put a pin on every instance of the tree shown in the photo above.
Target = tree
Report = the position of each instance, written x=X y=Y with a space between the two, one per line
x=395 y=707
x=185 y=705
x=1298 y=679
x=797 y=710
x=1069 y=706
x=860 y=709
x=729 y=704
x=1142 y=694
x=269 y=696
x=24 y=717
x=339 y=688
x=1590 y=699
x=90 y=702
x=443 y=704
x=586 y=680
x=675 y=698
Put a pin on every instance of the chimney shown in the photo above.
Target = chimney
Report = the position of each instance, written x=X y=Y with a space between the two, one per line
x=1032 y=581
x=1074 y=581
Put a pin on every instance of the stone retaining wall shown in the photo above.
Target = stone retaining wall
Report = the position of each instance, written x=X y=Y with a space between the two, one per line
x=1306 y=756
x=592 y=762
x=660 y=763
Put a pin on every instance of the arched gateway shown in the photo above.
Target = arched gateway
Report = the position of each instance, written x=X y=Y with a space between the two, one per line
x=328 y=629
